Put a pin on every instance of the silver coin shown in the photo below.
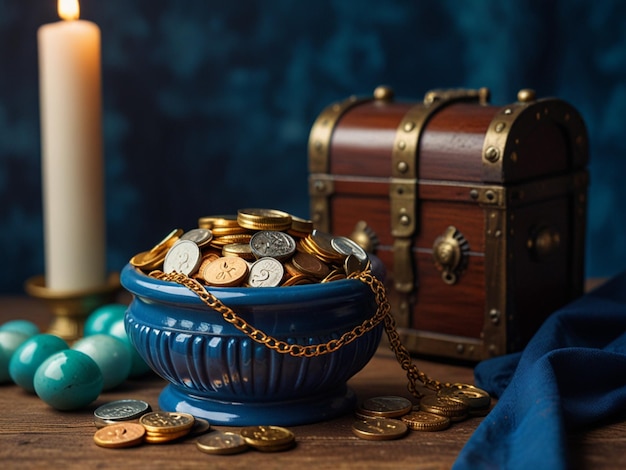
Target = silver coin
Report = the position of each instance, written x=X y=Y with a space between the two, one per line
x=184 y=257
x=277 y=245
x=122 y=410
x=346 y=246
x=200 y=236
x=266 y=272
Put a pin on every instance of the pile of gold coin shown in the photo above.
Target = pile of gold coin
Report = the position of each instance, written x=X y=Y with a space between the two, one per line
x=255 y=248
x=261 y=438
x=391 y=417
x=164 y=426
x=159 y=427
x=153 y=427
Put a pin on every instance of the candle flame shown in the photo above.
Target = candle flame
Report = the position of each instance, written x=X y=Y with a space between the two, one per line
x=68 y=9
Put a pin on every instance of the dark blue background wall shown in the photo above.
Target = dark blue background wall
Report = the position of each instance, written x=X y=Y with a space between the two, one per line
x=208 y=104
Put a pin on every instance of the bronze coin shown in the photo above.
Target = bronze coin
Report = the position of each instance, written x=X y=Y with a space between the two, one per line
x=309 y=264
x=227 y=271
x=120 y=435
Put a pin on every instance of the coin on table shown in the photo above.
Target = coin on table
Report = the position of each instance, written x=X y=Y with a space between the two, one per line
x=222 y=443
x=386 y=406
x=200 y=236
x=268 y=438
x=266 y=272
x=184 y=257
x=200 y=426
x=226 y=271
x=166 y=421
x=423 y=421
x=120 y=410
x=120 y=435
x=156 y=438
x=457 y=409
x=279 y=245
x=379 y=429
x=478 y=399
x=264 y=219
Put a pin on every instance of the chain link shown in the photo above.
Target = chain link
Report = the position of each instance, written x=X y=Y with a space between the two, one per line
x=383 y=314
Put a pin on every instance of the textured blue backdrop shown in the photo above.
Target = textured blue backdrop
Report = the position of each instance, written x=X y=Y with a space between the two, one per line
x=208 y=104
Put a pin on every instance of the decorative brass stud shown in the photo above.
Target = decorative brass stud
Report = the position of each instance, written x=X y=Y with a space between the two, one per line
x=494 y=316
x=526 y=95
x=450 y=254
x=383 y=93
x=492 y=154
x=409 y=126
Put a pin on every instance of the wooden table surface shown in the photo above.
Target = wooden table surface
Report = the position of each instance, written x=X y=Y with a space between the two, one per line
x=33 y=435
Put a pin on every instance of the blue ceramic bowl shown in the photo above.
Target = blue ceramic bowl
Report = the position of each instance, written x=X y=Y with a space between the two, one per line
x=218 y=373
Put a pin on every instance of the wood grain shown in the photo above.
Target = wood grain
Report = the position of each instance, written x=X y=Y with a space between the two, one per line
x=33 y=435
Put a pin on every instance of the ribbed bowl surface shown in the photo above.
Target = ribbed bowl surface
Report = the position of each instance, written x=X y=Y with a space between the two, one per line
x=199 y=353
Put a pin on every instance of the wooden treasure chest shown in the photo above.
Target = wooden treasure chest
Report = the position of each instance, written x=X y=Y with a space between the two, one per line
x=477 y=211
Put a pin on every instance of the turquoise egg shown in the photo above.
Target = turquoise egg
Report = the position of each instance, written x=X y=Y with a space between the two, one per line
x=111 y=354
x=138 y=365
x=101 y=319
x=68 y=380
x=21 y=326
x=30 y=355
x=9 y=342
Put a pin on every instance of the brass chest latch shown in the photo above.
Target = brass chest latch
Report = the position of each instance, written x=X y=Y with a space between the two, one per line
x=403 y=191
x=450 y=253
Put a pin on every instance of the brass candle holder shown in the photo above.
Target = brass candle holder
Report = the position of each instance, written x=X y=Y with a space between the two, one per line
x=70 y=309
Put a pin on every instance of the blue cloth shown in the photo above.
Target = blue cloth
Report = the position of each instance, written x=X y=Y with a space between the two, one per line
x=570 y=376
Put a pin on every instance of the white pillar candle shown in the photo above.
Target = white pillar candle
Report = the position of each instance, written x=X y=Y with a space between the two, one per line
x=72 y=152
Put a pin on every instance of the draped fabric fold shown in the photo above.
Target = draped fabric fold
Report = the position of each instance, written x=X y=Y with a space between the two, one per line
x=571 y=376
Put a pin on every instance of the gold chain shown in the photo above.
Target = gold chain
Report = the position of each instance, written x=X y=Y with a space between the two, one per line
x=383 y=313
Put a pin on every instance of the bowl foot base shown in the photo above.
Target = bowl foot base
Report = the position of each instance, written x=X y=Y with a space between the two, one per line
x=279 y=413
